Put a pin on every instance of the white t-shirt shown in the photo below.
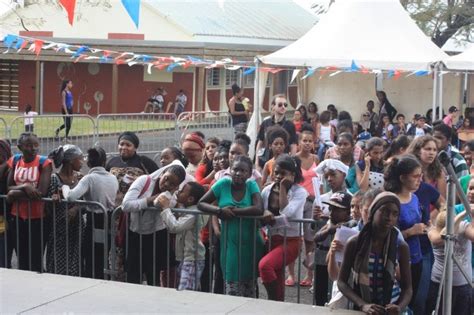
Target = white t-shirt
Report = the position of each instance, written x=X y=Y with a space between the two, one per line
x=181 y=100
x=29 y=118
x=419 y=132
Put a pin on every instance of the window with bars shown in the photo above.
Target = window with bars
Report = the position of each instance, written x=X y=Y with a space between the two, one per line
x=9 y=84
x=213 y=77
x=231 y=77
x=249 y=80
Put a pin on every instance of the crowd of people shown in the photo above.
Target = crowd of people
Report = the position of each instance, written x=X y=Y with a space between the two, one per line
x=372 y=193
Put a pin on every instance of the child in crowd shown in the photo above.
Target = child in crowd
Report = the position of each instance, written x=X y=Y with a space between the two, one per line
x=170 y=154
x=189 y=249
x=283 y=200
x=334 y=173
x=28 y=215
x=240 y=146
x=298 y=121
x=339 y=213
x=326 y=133
x=385 y=129
x=241 y=242
x=309 y=162
x=277 y=141
x=205 y=172
x=369 y=172
x=400 y=127
x=29 y=120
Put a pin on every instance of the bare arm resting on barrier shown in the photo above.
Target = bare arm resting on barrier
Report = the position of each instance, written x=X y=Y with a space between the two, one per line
x=27 y=190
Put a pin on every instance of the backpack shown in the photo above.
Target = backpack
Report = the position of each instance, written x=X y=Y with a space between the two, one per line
x=18 y=156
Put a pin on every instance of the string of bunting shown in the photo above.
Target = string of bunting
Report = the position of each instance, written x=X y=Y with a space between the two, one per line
x=170 y=63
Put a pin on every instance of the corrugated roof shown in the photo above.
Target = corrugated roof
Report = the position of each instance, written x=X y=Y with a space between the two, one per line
x=274 y=20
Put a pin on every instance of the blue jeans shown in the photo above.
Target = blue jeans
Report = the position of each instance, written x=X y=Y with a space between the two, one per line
x=424 y=284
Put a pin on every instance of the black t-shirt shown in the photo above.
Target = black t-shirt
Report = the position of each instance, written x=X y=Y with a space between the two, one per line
x=144 y=163
x=285 y=124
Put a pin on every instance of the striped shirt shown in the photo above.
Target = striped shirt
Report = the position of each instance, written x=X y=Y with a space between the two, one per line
x=376 y=269
x=459 y=163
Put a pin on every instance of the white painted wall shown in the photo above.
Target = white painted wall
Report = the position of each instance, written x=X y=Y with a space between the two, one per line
x=94 y=22
x=351 y=91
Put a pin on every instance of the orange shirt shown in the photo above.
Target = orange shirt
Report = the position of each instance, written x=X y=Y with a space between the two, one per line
x=27 y=173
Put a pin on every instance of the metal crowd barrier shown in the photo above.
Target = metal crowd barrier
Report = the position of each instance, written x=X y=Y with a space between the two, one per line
x=210 y=274
x=216 y=124
x=82 y=132
x=46 y=244
x=155 y=130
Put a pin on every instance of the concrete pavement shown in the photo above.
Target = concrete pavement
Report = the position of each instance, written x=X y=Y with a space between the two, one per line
x=34 y=293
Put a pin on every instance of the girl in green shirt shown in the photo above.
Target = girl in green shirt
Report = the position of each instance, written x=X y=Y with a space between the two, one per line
x=241 y=242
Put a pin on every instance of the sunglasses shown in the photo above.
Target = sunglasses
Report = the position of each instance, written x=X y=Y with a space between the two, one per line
x=365 y=115
x=282 y=104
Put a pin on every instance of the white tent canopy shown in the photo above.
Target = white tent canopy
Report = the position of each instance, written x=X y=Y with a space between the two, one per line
x=463 y=61
x=376 y=34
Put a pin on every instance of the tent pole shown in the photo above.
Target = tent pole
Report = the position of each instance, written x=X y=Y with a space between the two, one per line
x=257 y=89
x=440 y=94
x=435 y=94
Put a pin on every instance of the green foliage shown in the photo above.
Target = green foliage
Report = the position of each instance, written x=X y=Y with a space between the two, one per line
x=441 y=19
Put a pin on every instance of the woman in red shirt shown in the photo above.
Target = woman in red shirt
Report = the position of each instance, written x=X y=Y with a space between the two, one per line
x=28 y=180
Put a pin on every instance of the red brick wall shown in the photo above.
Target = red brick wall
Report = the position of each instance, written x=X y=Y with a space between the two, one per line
x=26 y=77
x=133 y=92
x=132 y=95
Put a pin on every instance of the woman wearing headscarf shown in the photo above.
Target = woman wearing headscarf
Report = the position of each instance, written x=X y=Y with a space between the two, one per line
x=367 y=275
x=66 y=221
x=5 y=154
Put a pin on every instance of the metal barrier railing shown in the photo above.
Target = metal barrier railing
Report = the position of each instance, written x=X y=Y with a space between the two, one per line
x=155 y=130
x=55 y=236
x=212 y=274
x=81 y=128
x=217 y=124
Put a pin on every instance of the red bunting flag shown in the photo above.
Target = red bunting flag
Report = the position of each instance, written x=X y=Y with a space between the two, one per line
x=38 y=45
x=69 y=6
x=396 y=74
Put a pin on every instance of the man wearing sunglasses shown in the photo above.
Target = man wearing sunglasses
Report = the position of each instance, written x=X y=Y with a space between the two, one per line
x=278 y=109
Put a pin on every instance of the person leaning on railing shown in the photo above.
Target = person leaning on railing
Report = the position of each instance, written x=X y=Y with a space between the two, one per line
x=28 y=178
x=102 y=187
x=240 y=240
x=146 y=226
